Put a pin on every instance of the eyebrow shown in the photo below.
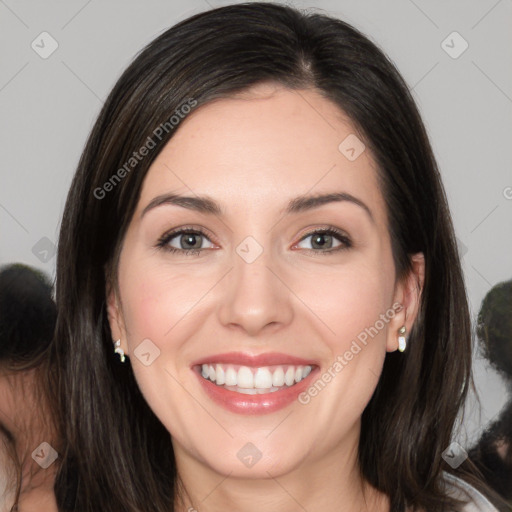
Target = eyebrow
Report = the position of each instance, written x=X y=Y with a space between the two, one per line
x=205 y=204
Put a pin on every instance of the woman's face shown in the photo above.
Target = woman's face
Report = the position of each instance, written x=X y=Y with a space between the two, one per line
x=260 y=299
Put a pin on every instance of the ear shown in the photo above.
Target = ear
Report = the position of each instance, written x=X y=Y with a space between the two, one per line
x=408 y=295
x=115 y=317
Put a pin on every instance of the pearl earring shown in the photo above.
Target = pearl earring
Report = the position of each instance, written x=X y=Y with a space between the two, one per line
x=401 y=339
x=119 y=350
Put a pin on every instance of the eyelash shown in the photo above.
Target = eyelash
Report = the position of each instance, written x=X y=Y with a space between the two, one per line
x=167 y=237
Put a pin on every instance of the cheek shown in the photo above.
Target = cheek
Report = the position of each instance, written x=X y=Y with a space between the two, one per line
x=348 y=301
x=155 y=301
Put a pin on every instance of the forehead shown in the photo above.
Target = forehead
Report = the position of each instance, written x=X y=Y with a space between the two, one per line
x=262 y=147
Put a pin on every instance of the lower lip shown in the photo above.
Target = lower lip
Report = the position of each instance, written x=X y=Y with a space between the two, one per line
x=254 y=404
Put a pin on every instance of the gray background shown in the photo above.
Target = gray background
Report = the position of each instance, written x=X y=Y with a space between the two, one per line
x=48 y=105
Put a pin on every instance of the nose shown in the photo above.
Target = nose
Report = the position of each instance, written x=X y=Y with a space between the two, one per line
x=255 y=297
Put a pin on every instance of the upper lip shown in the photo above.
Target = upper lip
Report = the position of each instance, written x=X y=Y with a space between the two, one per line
x=265 y=359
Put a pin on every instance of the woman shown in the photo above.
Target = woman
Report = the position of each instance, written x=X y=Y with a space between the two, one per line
x=256 y=225
x=28 y=448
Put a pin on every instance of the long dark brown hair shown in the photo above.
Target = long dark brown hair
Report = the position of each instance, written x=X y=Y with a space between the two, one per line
x=118 y=454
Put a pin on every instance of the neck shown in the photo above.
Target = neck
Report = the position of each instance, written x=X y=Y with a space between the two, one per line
x=331 y=482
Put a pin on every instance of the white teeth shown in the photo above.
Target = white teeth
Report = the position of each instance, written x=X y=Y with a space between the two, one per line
x=289 y=376
x=251 y=381
x=263 y=378
x=231 y=377
x=245 y=378
x=221 y=378
x=278 y=377
x=246 y=391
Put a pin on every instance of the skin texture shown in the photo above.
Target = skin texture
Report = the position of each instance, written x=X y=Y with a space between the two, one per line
x=252 y=154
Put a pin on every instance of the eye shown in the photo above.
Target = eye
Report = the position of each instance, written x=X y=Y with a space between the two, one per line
x=325 y=238
x=189 y=241
x=185 y=241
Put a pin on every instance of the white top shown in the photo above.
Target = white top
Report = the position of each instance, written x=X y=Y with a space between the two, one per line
x=458 y=488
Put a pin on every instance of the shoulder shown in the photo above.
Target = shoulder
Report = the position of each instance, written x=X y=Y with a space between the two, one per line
x=476 y=501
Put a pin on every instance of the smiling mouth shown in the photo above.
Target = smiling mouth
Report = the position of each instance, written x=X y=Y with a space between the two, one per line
x=254 y=380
